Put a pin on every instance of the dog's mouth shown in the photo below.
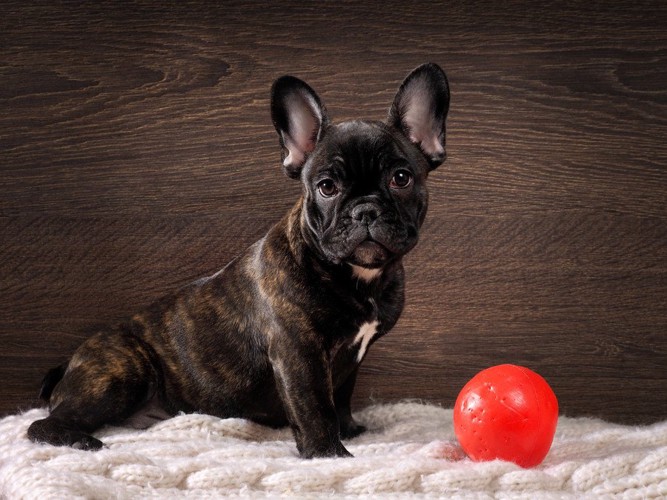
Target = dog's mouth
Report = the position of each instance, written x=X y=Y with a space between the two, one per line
x=370 y=254
x=370 y=247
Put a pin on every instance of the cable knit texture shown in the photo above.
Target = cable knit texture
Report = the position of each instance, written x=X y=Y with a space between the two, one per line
x=408 y=452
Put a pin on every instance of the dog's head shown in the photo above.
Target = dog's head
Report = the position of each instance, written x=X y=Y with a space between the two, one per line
x=365 y=195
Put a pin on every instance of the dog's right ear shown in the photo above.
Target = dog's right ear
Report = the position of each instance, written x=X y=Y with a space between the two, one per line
x=299 y=118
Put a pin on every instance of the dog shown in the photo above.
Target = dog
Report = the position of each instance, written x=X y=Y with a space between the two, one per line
x=278 y=335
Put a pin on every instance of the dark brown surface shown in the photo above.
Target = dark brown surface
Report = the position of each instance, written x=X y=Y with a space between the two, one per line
x=137 y=153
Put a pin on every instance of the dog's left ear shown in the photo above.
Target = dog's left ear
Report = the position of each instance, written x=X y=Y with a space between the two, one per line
x=299 y=118
x=420 y=109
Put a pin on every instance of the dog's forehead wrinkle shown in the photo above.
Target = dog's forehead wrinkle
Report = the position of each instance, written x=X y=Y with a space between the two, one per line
x=358 y=154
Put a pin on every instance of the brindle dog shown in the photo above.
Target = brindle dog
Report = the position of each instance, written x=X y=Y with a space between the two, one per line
x=277 y=336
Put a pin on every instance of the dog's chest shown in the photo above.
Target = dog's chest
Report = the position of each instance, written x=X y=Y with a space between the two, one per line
x=366 y=329
x=363 y=338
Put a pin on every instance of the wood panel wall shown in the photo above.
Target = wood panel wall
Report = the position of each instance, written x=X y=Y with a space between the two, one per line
x=137 y=154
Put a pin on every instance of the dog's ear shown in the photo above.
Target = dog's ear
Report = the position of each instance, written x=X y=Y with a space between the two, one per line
x=420 y=109
x=299 y=118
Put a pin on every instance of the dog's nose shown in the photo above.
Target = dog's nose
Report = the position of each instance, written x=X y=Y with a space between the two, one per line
x=369 y=211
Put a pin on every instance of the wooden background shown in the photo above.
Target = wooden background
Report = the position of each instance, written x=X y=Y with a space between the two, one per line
x=137 y=153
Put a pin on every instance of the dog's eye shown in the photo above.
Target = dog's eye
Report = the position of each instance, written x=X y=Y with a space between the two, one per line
x=401 y=179
x=327 y=188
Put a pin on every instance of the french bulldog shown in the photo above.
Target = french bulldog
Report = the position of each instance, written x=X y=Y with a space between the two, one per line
x=277 y=335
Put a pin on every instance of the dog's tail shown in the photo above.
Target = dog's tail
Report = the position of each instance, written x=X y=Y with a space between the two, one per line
x=53 y=376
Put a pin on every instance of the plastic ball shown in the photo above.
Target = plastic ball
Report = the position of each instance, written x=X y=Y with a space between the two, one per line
x=506 y=412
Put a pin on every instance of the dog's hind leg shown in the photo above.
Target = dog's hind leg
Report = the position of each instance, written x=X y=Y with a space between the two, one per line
x=109 y=377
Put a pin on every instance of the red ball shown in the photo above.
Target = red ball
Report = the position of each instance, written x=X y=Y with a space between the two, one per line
x=507 y=412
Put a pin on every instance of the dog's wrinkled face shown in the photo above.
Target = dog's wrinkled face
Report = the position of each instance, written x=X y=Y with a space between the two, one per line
x=365 y=196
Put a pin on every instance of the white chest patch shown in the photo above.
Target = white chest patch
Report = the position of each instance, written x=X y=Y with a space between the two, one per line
x=363 y=338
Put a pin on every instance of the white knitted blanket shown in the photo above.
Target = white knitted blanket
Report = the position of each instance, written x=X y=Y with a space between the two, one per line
x=407 y=453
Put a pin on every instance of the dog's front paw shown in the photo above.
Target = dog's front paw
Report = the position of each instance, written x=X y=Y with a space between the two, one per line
x=351 y=430
x=327 y=450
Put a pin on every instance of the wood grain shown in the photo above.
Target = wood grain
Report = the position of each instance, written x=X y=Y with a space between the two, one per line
x=137 y=153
